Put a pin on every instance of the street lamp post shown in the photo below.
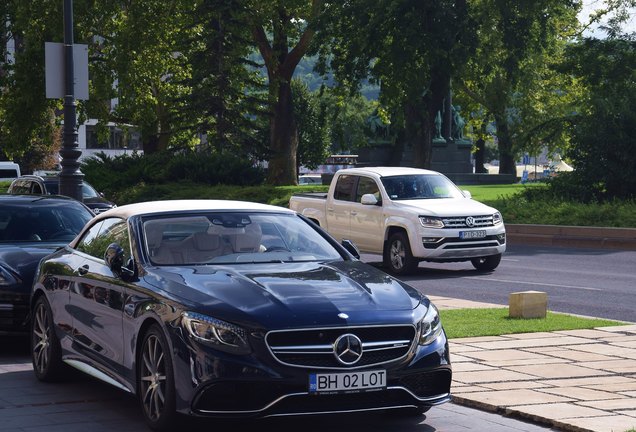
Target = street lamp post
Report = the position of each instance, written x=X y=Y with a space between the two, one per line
x=71 y=178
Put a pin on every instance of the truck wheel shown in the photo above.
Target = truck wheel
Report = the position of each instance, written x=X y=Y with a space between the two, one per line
x=487 y=263
x=397 y=255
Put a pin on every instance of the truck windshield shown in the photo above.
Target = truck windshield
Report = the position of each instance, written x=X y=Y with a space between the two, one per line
x=420 y=186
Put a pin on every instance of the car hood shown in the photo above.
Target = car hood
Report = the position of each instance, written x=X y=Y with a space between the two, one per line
x=291 y=294
x=22 y=260
x=447 y=207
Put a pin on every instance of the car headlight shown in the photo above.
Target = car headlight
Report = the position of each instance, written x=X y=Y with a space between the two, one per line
x=430 y=326
x=219 y=334
x=431 y=222
x=496 y=218
x=7 y=279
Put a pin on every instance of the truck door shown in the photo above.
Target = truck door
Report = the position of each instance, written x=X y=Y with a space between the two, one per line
x=367 y=221
x=339 y=208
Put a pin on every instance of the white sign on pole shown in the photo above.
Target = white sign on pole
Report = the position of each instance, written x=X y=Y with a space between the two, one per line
x=54 y=70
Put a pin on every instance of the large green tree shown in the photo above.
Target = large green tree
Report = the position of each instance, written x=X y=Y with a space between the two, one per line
x=137 y=59
x=516 y=42
x=604 y=130
x=29 y=132
x=313 y=131
x=283 y=32
x=410 y=48
x=227 y=86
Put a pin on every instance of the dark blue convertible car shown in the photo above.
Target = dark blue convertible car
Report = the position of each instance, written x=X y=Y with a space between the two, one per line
x=234 y=309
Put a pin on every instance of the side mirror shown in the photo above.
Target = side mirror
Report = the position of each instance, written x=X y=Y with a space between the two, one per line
x=467 y=194
x=351 y=248
x=114 y=258
x=369 y=199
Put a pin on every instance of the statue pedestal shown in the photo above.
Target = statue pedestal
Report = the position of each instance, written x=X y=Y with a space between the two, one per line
x=452 y=157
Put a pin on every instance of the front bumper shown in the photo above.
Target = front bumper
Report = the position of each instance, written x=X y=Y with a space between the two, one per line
x=14 y=312
x=256 y=386
x=445 y=244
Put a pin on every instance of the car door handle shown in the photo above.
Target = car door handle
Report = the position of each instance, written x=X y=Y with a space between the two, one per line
x=353 y=213
x=83 y=269
x=329 y=209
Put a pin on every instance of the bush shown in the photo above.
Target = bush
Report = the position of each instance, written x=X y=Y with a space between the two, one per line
x=118 y=176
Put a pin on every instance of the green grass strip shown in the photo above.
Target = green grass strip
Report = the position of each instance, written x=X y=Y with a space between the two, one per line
x=461 y=323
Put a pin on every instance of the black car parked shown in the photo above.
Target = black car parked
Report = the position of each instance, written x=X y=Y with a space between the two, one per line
x=31 y=227
x=50 y=185
x=234 y=309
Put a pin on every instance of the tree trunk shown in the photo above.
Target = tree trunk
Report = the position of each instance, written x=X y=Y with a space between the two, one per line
x=283 y=139
x=506 y=154
x=150 y=144
x=418 y=135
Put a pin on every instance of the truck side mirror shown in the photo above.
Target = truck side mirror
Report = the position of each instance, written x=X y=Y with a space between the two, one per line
x=467 y=194
x=369 y=199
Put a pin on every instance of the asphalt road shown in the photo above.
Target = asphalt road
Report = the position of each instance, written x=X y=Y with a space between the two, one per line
x=590 y=282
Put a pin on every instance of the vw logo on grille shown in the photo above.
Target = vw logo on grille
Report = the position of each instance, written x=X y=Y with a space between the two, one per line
x=348 y=349
x=470 y=221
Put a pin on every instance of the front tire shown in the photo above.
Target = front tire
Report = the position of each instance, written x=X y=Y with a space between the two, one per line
x=397 y=255
x=155 y=381
x=46 y=352
x=488 y=263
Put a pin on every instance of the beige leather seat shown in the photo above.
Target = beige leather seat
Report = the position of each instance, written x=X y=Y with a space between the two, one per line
x=203 y=247
x=246 y=239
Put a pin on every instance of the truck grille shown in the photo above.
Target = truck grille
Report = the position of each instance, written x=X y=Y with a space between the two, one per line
x=314 y=348
x=460 y=222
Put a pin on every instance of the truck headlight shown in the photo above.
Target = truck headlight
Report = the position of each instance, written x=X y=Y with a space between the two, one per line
x=496 y=218
x=219 y=334
x=431 y=326
x=431 y=222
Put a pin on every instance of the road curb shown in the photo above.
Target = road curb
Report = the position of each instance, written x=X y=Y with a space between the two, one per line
x=518 y=415
x=572 y=236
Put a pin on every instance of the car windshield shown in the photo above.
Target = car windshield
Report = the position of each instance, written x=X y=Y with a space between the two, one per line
x=87 y=190
x=42 y=221
x=420 y=186
x=234 y=238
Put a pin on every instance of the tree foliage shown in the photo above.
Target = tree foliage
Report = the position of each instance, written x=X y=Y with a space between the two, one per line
x=508 y=73
x=410 y=48
x=313 y=130
x=29 y=132
x=227 y=87
x=604 y=130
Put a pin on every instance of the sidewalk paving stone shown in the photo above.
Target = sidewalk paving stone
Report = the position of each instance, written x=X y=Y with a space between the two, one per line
x=571 y=380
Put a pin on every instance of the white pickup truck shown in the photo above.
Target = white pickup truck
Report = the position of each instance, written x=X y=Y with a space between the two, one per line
x=408 y=215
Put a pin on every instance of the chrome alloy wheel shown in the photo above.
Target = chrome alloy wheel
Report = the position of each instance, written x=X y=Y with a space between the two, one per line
x=41 y=339
x=153 y=378
x=398 y=254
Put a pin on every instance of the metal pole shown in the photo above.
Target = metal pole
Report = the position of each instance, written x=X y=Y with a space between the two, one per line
x=71 y=178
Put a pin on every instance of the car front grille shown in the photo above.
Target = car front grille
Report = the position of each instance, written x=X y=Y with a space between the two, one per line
x=314 y=348
x=460 y=222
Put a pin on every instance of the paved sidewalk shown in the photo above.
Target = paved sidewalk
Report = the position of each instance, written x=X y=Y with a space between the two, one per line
x=578 y=380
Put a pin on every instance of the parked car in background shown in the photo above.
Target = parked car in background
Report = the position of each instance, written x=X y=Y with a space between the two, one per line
x=50 y=185
x=31 y=227
x=408 y=215
x=234 y=309
x=9 y=170
x=310 y=179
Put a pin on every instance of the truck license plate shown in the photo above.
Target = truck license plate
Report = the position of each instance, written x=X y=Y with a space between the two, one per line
x=347 y=382
x=472 y=234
